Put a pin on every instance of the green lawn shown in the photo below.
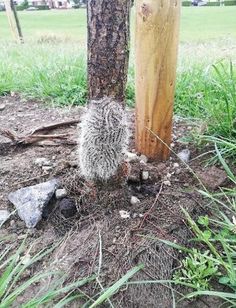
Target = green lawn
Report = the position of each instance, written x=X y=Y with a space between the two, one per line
x=202 y=23
x=55 y=69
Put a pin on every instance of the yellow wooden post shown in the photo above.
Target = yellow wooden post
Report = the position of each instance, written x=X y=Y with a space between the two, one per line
x=157 y=38
x=13 y=20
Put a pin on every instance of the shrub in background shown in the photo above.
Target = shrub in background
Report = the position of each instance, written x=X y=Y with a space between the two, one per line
x=24 y=5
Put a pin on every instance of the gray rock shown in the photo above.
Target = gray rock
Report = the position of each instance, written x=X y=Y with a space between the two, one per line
x=4 y=215
x=184 y=155
x=2 y=107
x=30 y=201
x=60 y=193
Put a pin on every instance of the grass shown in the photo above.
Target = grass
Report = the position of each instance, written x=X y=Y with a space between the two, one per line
x=36 y=72
x=205 y=89
x=59 y=293
x=208 y=265
x=70 y=24
x=197 y=24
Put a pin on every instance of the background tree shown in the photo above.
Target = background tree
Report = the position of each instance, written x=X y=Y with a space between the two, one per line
x=13 y=20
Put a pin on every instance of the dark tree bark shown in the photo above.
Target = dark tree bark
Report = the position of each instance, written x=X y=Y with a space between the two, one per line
x=108 y=48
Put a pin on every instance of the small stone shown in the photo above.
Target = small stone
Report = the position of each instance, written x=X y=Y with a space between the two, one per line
x=175 y=165
x=177 y=171
x=42 y=161
x=2 y=107
x=26 y=259
x=143 y=159
x=30 y=201
x=130 y=156
x=145 y=175
x=67 y=207
x=124 y=214
x=12 y=223
x=60 y=193
x=134 y=200
x=4 y=215
x=184 y=155
x=167 y=183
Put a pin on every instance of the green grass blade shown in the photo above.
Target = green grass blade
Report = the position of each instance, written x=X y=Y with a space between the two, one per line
x=115 y=287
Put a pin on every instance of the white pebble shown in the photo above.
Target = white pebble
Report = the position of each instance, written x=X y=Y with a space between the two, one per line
x=2 y=107
x=145 y=175
x=134 y=200
x=167 y=183
x=60 y=193
x=47 y=168
x=175 y=165
x=124 y=214
x=130 y=156
x=42 y=161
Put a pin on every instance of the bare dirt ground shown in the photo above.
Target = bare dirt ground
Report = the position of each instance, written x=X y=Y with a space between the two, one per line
x=98 y=222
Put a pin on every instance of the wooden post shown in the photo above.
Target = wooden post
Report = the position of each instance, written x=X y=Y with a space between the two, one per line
x=157 y=37
x=13 y=20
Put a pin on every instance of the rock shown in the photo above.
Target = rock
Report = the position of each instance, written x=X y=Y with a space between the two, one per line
x=177 y=171
x=130 y=156
x=30 y=201
x=212 y=177
x=2 y=107
x=134 y=200
x=4 y=215
x=143 y=159
x=42 y=161
x=184 y=155
x=145 y=175
x=167 y=183
x=124 y=214
x=175 y=165
x=67 y=207
x=60 y=193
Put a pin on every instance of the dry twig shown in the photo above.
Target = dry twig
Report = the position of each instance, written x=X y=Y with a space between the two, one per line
x=34 y=137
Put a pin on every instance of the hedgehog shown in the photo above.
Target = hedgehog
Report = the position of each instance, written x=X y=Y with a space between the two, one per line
x=103 y=139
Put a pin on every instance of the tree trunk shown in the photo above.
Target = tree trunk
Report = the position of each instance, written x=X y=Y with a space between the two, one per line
x=108 y=48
